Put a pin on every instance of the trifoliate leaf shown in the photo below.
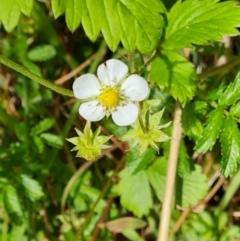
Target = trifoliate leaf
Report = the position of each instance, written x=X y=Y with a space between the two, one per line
x=135 y=192
x=230 y=142
x=136 y=24
x=198 y=22
x=25 y=6
x=191 y=187
x=42 y=126
x=12 y=203
x=42 y=53
x=32 y=187
x=192 y=126
x=231 y=94
x=10 y=13
x=211 y=131
x=173 y=72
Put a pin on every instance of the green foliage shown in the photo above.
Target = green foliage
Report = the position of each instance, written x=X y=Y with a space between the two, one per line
x=211 y=131
x=12 y=203
x=174 y=73
x=198 y=22
x=230 y=141
x=32 y=188
x=39 y=174
x=231 y=94
x=135 y=192
x=42 y=53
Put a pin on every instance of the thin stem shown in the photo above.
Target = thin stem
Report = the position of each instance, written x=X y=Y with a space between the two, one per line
x=220 y=69
x=78 y=236
x=147 y=63
x=7 y=62
x=171 y=175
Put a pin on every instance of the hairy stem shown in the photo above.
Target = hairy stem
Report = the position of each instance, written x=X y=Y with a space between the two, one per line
x=9 y=63
x=171 y=175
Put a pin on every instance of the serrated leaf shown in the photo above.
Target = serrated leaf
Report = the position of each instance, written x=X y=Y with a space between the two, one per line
x=52 y=140
x=231 y=94
x=198 y=22
x=10 y=13
x=235 y=110
x=42 y=53
x=25 y=6
x=58 y=7
x=184 y=163
x=32 y=188
x=173 y=72
x=136 y=24
x=12 y=203
x=211 y=131
x=230 y=142
x=192 y=126
x=42 y=126
x=157 y=176
x=191 y=188
x=137 y=162
x=135 y=192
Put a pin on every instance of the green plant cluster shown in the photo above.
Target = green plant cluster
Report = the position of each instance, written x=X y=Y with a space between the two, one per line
x=48 y=194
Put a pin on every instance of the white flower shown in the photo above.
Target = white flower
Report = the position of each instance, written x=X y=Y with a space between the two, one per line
x=111 y=93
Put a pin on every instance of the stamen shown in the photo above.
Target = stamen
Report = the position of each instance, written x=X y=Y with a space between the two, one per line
x=110 y=97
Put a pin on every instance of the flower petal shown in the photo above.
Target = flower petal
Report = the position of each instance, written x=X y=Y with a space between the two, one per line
x=91 y=111
x=86 y=86
x=125 y=115
x=135 y=88
x=112 y=71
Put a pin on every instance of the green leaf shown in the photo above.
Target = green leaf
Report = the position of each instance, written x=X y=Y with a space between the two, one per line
x=132 y=235
x=58 y=7
x=137 y=162
x=198 y=22
x=231 y=94
x=73 y=14
x=120 y=224
x=192 y=126
x=191 y=188
x=173 y=72
x=42 y=53
x=32 y=188
x=157 y=176
x=136 y=24
x=135 y=192
x=42 y=126
x=235 y=110
x=52 y=140
x=12 y=203
x=211 y=131
x=10 y=13
x=184 y=163
x=25 y=6
x=230 y=142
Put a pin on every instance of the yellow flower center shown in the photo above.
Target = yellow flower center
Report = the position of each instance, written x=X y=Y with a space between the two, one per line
x=110 y=97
